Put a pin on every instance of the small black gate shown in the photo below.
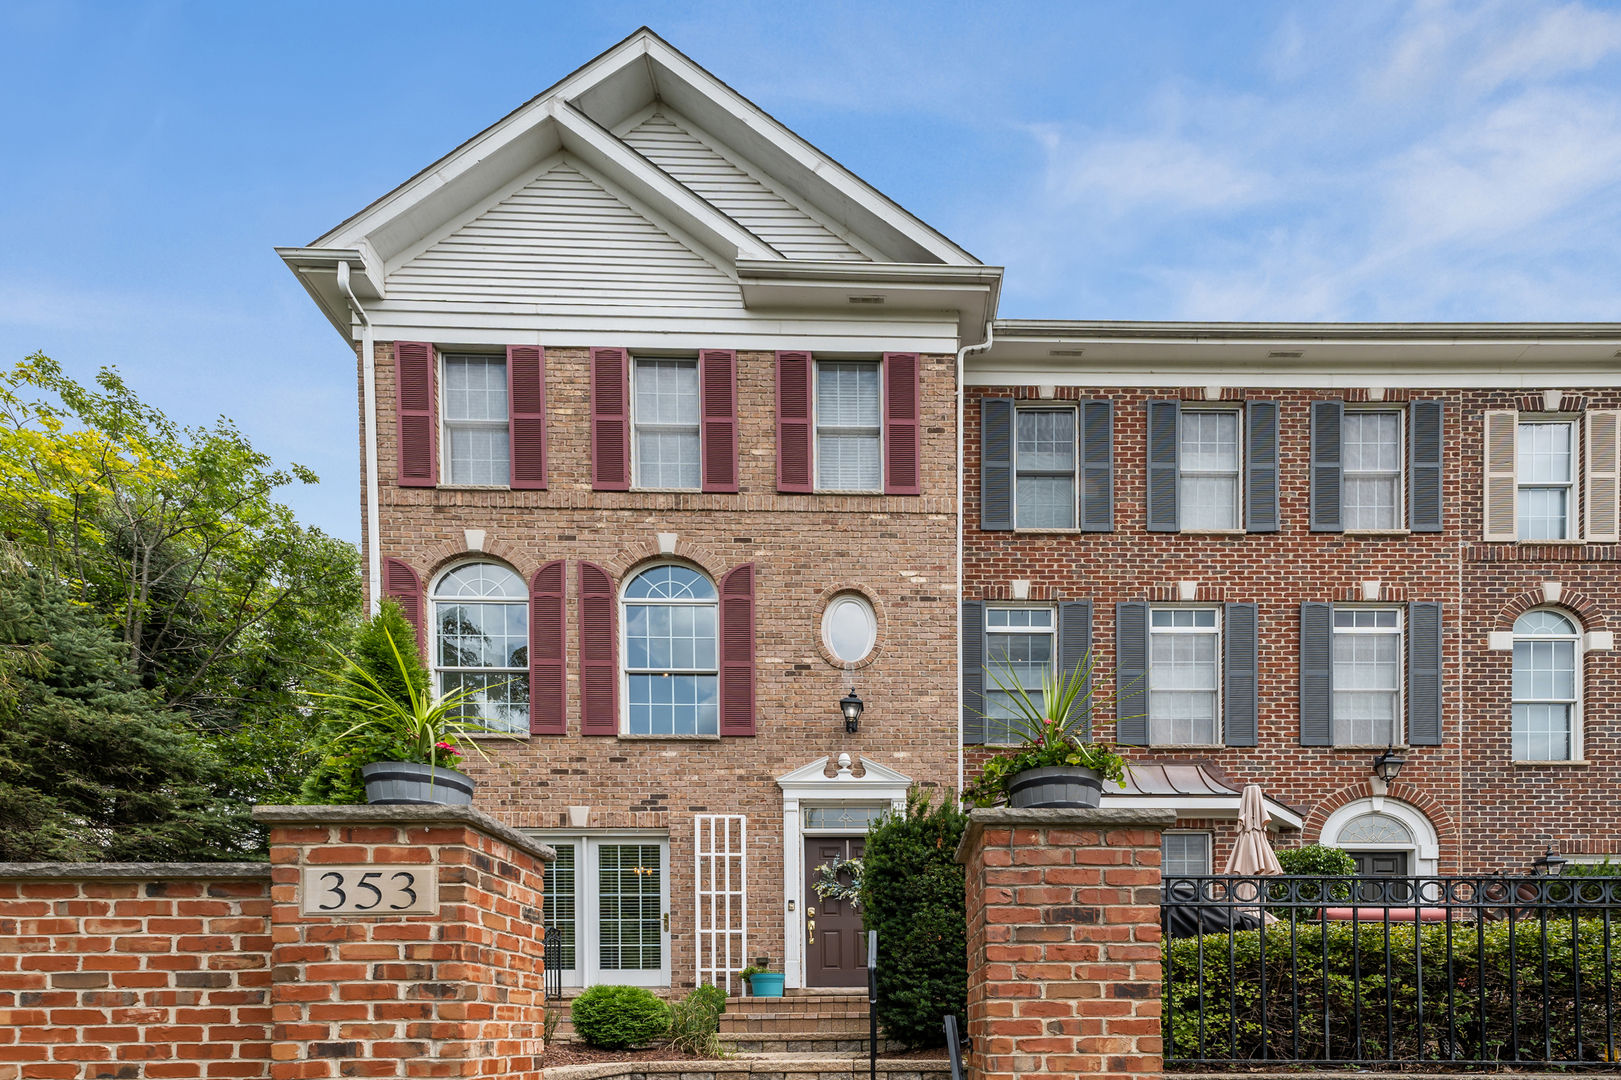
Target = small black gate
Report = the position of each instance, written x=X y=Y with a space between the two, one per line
x=1391 y=970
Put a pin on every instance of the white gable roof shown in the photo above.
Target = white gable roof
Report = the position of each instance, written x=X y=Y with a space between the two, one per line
x=640 y=180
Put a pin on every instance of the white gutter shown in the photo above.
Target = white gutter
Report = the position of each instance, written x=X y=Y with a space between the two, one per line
x=961 y=413
x=368 y=376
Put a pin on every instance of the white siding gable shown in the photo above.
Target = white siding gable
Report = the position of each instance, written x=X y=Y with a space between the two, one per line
x=748 y=201
x=563 y=240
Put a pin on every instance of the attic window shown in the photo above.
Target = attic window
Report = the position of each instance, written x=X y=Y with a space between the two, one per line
x=866 y=299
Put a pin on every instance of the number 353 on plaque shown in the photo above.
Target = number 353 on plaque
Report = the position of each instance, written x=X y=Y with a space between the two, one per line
x=369 y=890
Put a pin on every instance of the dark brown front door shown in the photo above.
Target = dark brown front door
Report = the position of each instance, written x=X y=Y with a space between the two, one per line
x=1381 y=864
x=835 y=947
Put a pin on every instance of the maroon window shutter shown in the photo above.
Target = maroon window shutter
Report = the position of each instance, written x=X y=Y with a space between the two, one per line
x=548 y=689
x=902 y=444
x=401 y=585
x=526 y=416
x=610 y=421
x=737 y=651
x=794 y=421
x=599 y=653
x=415 y=413
x=717 y=378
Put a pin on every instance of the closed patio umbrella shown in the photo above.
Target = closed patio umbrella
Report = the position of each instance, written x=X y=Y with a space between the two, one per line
x=1252 y=854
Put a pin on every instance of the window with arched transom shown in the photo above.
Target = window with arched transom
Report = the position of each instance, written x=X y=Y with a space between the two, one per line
x=481 y=643
x=1547 y=687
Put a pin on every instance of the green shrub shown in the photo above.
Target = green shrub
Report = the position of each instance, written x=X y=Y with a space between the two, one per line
x=1316 y=859
x=615 y=1017
x=1486 y=1006
x=695 y=1022
x=912 y=894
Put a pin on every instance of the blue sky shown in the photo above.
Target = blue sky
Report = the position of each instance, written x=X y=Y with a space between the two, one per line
x=1314 y=161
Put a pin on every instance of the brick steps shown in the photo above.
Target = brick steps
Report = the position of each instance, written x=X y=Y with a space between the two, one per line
x=813 y=1021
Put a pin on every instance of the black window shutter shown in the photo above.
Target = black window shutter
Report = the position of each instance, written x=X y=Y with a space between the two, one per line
x=995 y=464
x=1261 y=467
x=1074 y=643
x=1240 y=700
x=1164 y=443
x=973 y=672
x=1131 y=673
x=1327 y=477
x=1316 y=674
x=1424 y=478
x=1424 y=674
x=1097 y=466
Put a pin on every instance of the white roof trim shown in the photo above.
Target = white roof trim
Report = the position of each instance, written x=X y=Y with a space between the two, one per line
x=1203 y=806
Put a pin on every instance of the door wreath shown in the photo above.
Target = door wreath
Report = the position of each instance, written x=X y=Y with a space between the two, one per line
x=827 y=883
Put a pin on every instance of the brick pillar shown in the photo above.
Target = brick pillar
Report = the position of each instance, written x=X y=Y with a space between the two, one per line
x=1064 y=942
x=448 y=983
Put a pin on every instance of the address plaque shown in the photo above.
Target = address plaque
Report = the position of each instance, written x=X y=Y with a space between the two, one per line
x=370 y=890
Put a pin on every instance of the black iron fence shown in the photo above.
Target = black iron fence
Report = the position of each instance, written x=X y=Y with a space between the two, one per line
x=1364 y=971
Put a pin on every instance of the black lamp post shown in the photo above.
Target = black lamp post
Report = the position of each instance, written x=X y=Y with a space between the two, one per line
x=851 y=706
x=1551 y=864
x=1388 y=764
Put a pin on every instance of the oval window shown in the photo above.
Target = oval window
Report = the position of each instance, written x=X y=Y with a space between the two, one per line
x=850 y=629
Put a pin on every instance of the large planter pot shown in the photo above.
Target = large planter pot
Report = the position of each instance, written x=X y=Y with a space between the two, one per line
x=391 y=783
x=766 y=984
x=1056 y=787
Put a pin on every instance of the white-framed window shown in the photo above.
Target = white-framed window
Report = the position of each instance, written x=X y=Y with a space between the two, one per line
x=850 y=628
x=665 y=422
x=607 y=899
x=1367 y=676
x=1184 y=854
x=1210 y=495
x=1184 y=676
x=1371 y=448
x=477 y=436
x=1020 y=646
x=1546 y=472
x=1044 y=491
x=672 y=679
x=849 y=426
x=481 y=642
x=1547 y=687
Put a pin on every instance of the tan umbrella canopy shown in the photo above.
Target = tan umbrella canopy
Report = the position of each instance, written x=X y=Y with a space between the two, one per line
x=1252 y=854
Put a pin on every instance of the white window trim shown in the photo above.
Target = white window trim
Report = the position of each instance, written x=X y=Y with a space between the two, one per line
x=816 y=429
x=1220 y=630
x=1400 y=733
x=587 y=915
x=630 y=409
x=624 y=648
x=1241 y=491
x=1076 y=471
x=1210 y=846
x=1424 y=852
x=827 y=619
x=1577 y=712
x=446 y=462
x=433 y=600
x=1052 y=632
x=1575 y=519
x=1403 y=466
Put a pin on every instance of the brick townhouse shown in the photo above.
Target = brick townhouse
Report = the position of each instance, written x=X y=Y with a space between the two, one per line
x=658 y=442
x=1295 y=548
x=660 y=446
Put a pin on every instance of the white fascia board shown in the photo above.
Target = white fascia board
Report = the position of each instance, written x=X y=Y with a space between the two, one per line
x=794 y=163
x=1221 y=807
x=317 y=270
x=595 y=146
x=971 y=292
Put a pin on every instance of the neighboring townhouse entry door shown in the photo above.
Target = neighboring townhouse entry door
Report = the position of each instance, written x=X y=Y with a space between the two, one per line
x=835 y=947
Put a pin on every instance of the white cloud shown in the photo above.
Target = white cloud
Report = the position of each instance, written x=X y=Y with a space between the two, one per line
x=1155 y=173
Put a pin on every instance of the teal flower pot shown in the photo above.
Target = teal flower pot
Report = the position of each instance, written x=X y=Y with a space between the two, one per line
x=766 y=984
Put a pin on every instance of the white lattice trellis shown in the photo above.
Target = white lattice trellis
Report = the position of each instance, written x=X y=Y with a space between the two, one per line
x=723 y=904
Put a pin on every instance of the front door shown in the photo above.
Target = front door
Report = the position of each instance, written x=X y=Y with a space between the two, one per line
x=1381 y=864
x=835 y=947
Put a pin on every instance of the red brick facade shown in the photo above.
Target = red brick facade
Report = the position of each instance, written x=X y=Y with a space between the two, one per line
x=806 y=550
x=1064 y=942
x=1488 y=812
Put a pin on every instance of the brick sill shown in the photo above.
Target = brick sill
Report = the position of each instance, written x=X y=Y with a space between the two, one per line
x=1377 y=532
x=1214 y=532
x=1578 y=763
x=623 y=737
x=472 y=487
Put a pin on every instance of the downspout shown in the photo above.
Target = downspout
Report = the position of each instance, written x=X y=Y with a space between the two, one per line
x=368 y=379
x=961 y=423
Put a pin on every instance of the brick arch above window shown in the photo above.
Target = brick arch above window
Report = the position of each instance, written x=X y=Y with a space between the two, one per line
x=1446 y=828
x=632 y=556
x=1586 y=609
x=440 y=556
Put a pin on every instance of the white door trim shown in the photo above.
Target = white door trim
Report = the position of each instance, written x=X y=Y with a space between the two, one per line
x=1427 y=850
x=808 y=786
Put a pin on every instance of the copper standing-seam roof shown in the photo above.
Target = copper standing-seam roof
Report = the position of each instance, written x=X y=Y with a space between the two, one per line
x=1197 y=780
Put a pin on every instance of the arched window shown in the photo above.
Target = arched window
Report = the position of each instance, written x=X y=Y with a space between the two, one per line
x=481 y=643
x=1546 y=677
x=671 y=664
